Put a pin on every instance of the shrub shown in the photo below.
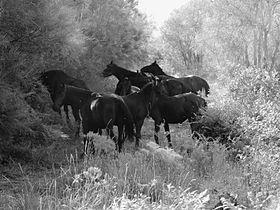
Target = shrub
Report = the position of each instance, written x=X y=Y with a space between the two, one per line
x=257 y=92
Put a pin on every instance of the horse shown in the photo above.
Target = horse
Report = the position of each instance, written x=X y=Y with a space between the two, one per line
x=140 y=104
x=124 y=87
x=137 y=79
x=193 y=83
x=175 y=109
x=103 y=112
x=53 y=77
x=140 y=79
x=73 y=96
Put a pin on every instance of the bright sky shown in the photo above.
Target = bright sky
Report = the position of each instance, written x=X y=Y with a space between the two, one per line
x=159 y=10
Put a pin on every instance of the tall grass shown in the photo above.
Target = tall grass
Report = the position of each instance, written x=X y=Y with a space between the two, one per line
x=197 y=177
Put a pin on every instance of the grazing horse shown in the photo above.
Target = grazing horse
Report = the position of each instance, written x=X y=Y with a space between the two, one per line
x=140 y=104
x=137 y=79
x=51 y=78
x=103 y=112
x=124 y=87
x=73 y=96
x=175 y=109
x=193 y=83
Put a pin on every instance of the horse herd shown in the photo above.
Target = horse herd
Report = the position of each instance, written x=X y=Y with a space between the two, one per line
x=138 y=95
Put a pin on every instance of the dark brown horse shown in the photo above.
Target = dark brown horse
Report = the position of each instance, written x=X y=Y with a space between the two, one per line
x=51 y=79
x=103 y=112
x=137 y=79
x=124 y=87
x=140 y=105
x=175 y=109
x=192 y=83
x=164 y=109
x=70 y=95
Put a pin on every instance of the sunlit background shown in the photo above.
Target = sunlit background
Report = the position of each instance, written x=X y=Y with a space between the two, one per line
x=157 y=10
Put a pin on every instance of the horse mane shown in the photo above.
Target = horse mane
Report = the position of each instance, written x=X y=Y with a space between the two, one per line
x=122 y=71
x=162 y=72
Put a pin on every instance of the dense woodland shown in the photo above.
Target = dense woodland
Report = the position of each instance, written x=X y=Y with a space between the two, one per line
x=233 y=44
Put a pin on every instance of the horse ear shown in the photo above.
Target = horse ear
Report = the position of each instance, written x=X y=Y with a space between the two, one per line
x=155 y=62
x=111 y=62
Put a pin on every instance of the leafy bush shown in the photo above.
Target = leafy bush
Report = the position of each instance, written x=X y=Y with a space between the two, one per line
x=257 y=91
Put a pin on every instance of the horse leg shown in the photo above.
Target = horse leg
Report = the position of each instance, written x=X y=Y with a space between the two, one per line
x=66 y=111
x=168 y=136
x=138 y=126
x=85 y=137
x=120 y=137
x=157 y=128
x=111 y=133
x=76 y=115
x=86 y=140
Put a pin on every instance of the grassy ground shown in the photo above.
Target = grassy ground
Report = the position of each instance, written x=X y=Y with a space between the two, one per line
x=192 y=176
x=136 y=177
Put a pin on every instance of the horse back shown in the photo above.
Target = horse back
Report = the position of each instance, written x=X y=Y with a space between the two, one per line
x=196 y=83
x=176 y=86
x=77 y=96
x=50 y=78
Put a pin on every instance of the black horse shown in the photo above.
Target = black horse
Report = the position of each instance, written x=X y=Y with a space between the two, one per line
x=70 y=95
x=124 y=87
x=175 y=109
x=140 y=79
x=192 y=83
x=52 y=79
x=164 y=109
x=140 y=104
x=137 y=79
x=103 y=112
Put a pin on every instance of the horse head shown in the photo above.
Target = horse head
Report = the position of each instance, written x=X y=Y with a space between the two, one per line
x=161 y=87
x=109 y=70
x=123 y=87
x=154 y=69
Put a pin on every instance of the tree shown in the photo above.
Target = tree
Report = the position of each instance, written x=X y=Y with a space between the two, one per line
x=255 y=26
x=180 y=36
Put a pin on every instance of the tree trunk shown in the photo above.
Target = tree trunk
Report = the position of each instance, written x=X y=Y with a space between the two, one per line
x=275 y=52
x=255 y=59
x=265 y=50
x=246 y=56
x=260 y=48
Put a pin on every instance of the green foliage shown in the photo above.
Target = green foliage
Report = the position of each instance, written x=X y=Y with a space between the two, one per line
x=180 y=38
x=256 y=90
x=37 y=36
x=20 y=126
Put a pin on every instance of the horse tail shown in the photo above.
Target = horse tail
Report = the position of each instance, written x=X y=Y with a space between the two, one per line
x=206 y=87
x=128 y=121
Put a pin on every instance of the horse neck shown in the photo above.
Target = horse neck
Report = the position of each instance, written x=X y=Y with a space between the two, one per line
x=146 y=93
x=121 y=73
x=164 y=98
